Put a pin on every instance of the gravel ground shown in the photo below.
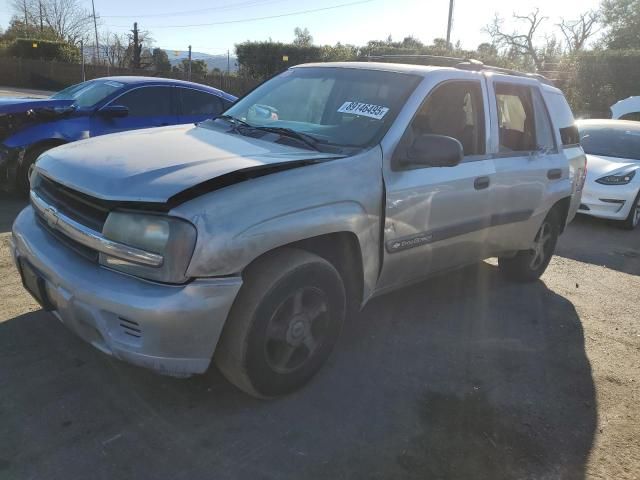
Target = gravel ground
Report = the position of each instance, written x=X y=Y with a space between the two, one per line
x=464 y=376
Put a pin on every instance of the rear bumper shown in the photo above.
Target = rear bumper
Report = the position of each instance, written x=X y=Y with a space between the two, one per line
x=611 y=202
x=171 y=329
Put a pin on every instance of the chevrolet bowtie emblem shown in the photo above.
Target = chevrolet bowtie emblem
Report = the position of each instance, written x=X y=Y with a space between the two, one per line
x=50 y=214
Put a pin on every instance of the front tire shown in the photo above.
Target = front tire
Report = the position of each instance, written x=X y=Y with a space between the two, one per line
x=283 y=325
x=24 y=172
x=529 y=265
x=633 y=219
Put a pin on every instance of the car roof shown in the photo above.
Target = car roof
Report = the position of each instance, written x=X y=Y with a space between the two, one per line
x=378 y=66
x=142 y=80
x=609 y=123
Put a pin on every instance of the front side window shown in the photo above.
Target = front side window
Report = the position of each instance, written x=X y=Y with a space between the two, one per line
x=515 y=118
x=147 y=101
x=196 y=102
x=454 y=109
x=342 y=107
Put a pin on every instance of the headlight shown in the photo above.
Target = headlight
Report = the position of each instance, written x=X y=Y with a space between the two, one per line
x=170 y=237
x=618 y=178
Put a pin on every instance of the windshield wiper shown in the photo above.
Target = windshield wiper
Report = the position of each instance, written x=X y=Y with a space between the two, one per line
x=305 y=138
x=233 y=120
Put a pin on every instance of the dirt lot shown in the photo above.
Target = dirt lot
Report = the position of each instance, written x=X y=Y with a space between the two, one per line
x=465 y=376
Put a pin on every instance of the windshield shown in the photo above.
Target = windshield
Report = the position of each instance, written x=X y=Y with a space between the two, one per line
x=611 y=141
x=88 y=94
x=336 y=106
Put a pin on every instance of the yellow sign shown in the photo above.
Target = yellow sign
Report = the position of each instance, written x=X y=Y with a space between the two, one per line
x=34 y=45
x=285 y=58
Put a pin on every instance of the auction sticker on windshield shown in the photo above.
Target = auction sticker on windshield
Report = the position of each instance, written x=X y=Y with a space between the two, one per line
x=364 y=110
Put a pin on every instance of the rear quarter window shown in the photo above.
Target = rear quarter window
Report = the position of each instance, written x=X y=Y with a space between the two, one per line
x=562 y=117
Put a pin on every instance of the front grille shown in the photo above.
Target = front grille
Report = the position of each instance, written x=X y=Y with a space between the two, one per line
x=88 y=211
x=86 y=252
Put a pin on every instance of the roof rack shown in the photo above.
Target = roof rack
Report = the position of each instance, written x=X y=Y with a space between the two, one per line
x=455 y=62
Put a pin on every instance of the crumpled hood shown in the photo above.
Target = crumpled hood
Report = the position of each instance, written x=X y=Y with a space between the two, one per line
x=17 y=105
x=153 y=165
x=599 y=165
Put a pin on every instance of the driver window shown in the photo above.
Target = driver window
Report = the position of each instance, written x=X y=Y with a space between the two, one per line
x=454 y=109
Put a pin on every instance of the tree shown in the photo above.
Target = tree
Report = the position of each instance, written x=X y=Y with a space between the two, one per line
x=519 y=42
x=198 y=67
x=160 y=60
x=621 y=19
x=67 y=19
x=115 y=49
x=302 y=37
x=577 y=32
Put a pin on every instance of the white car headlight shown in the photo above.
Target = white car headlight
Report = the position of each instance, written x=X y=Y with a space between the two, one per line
x=618 y=178
x=171 y=237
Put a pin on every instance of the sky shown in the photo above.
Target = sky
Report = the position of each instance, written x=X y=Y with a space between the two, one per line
x=213 y=26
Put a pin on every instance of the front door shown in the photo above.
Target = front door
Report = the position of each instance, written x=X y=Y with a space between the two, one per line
x=438 y=217
x=149 y=106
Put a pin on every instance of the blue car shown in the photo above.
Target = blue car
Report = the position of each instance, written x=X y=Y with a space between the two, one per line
x=29 y=127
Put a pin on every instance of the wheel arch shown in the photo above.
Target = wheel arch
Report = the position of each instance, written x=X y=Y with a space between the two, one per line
x=342 y=250
x=561 y=209
x=48 y=143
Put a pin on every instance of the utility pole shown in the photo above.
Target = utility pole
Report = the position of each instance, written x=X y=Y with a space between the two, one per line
x=82 y=58
x=95 y=27
x=26 y=21
x=189 y=68
x=449 y=23
x=137 y=48
x=41 y=24
x=228 y=68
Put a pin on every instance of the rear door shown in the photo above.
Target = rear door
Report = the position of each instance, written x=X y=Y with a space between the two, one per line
x=527 y=160
x=149 y=106
x=437 y=217
x=197 y=105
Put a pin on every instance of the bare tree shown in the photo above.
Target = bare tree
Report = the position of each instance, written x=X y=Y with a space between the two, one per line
x=115 y=49
x=522 y=43
x=67 y=19
x=577 y=32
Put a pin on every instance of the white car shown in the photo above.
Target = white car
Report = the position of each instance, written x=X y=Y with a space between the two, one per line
x=612 y=189
x=627 y=109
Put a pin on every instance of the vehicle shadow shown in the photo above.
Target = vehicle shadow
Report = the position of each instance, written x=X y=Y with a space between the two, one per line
x=10 y=206
x=464 y=376
x=617 y=249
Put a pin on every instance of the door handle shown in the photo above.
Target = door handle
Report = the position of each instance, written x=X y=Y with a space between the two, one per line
x=481 y=183
x=554 y=174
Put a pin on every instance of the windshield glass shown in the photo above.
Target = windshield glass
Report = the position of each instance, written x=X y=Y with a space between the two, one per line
x=611 y=141
x=337 y=106
x=88 y=94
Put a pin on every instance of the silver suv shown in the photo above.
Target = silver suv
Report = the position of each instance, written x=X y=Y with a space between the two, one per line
x=247 y=238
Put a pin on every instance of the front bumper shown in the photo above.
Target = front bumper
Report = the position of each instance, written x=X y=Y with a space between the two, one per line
x=612 y=202
x=171 y=329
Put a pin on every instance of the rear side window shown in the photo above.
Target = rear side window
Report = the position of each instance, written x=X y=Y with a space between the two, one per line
x=147 y=102
x=195 y=102
x=544 y=132
x=515 y=118
x=562 y=117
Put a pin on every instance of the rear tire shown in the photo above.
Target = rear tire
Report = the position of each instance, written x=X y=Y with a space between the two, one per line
x=283 y=325
x=633 y=219
x=24 y=172
x=529 y=265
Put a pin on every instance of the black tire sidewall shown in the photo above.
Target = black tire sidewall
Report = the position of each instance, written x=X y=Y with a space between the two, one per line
x=264 y=379
x=30 y=158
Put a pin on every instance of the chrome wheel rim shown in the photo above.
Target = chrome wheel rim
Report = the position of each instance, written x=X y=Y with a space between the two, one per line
x=541 y=246
x=636 y=214
x=297 y=329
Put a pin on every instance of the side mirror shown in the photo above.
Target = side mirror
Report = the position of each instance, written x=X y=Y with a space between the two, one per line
x=430 y=150
x=114 y=111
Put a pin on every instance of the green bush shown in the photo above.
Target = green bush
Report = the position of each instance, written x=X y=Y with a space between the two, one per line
x=44 y=50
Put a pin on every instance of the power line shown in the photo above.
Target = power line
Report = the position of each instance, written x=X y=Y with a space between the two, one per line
x=250 y=3
x=302 y=12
